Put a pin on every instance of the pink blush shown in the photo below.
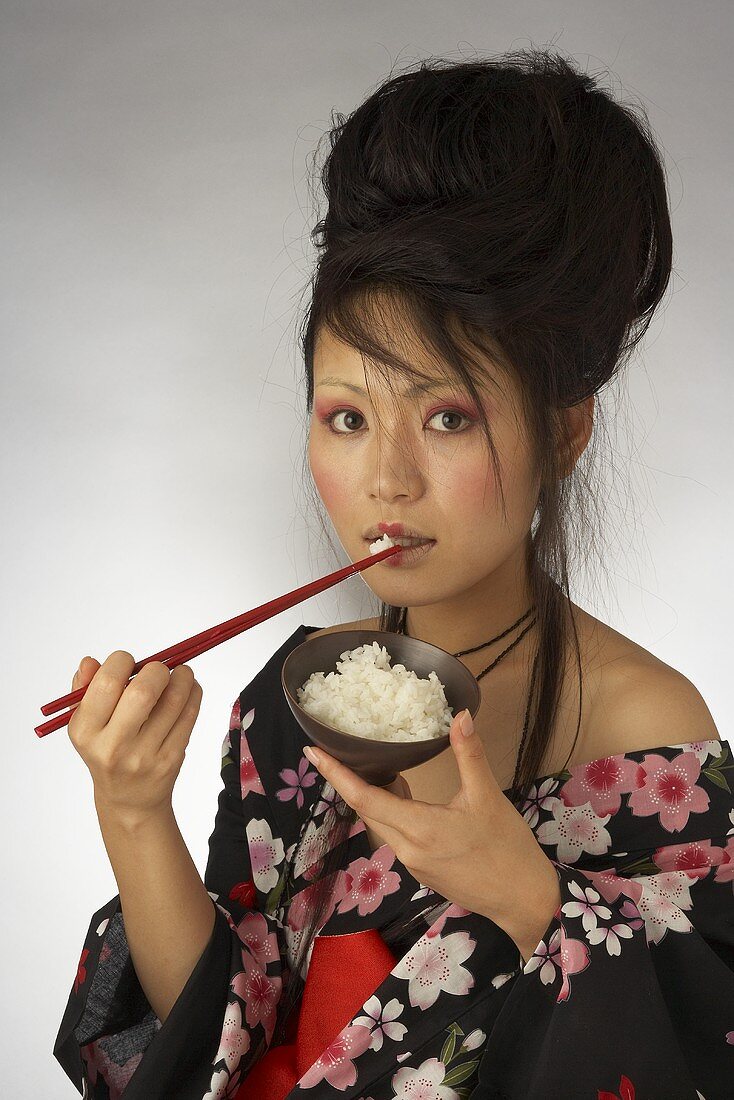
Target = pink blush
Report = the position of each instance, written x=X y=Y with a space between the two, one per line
x=330 y=483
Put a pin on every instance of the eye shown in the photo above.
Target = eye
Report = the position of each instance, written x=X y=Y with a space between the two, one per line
x=455 y=413
x=331 y=417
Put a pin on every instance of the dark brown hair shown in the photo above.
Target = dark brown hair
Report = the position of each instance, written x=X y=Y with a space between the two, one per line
x=513 y=213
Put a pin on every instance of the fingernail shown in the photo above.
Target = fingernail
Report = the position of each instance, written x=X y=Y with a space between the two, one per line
x=311 y=754
x=465 y=723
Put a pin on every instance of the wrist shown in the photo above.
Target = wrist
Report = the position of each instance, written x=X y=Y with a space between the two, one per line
x=132 y=819
x=528 y=924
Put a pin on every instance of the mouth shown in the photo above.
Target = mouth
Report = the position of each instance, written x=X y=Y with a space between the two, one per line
x=398 y=533
x=410 y=554
x=405 y=541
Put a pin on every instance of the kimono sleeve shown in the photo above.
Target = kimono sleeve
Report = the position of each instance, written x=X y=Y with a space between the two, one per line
x=110 y=1042
x=630 y=992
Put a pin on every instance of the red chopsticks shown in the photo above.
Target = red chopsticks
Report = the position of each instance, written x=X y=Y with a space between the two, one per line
x=199 y=643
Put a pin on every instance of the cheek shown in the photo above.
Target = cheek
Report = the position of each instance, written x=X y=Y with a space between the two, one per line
x=331 y=486
x=471 y=486
x=474 y=487
x=477 y=497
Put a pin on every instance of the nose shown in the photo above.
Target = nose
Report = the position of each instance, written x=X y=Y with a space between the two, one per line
x=393 y=471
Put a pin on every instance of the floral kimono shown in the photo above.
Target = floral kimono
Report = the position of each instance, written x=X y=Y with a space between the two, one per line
x=628 y=995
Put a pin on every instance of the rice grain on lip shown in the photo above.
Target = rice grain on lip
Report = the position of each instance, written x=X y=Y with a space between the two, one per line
x=381 y=544
x=367 y=697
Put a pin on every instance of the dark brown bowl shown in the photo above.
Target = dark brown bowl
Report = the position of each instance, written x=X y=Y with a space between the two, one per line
x=377 y=761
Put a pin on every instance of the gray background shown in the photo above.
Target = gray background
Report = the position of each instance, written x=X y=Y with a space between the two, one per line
x=156 y=209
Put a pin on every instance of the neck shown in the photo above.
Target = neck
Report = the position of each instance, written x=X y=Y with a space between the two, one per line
x=473 y=616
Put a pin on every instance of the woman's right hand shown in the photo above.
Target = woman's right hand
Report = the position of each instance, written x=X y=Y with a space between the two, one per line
x=133 y=736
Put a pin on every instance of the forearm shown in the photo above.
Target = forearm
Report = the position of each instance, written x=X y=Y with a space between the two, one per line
x=168 y=914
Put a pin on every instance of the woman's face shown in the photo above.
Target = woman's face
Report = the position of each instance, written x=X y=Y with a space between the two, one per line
x=425 y=465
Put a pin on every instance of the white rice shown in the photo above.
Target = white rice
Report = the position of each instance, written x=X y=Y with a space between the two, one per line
x=381 y=544
x=368 y=697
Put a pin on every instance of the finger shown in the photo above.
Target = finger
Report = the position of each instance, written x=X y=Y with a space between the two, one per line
x=88 y=667
x=166 y=711
x=103 y=691
x=180 y=733
x=386 y=835
x=478 y=782
x=375 y=803
x=137 y=700
x=397 y=786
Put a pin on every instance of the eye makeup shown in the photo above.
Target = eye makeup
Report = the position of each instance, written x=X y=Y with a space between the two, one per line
x=327 y=418
x=323 y=406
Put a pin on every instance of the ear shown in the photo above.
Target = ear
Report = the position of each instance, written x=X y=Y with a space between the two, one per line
x=578 y=422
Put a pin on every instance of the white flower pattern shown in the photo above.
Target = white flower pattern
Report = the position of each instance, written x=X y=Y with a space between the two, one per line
x=433 y=965
x=575 y=830
x=382 y=1021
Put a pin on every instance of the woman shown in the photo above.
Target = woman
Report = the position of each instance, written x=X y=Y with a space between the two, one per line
x=545 y=911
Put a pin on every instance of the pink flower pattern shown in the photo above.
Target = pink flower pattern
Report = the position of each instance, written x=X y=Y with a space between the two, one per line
x=336 y=1064
x=668 y=788
x=725 y=870
x=259 y=993
x=563 y=956
x=695 y=858
x=235 y=1040
x=372 y=880
x=296 y=781
x=600 y=784
x=250 y=782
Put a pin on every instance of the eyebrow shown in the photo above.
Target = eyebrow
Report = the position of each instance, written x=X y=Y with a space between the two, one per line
x=412 y=391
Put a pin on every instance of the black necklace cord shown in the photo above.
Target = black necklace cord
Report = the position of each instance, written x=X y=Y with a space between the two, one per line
x=495 y=662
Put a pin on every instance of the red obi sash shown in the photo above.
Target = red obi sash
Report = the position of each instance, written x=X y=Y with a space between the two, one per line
x=343 y=973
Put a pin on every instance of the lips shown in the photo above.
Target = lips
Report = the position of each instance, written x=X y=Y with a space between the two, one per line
x=396 y=530
x=410 y=555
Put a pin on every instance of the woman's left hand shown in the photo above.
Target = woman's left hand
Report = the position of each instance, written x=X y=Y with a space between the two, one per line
x=476 y=850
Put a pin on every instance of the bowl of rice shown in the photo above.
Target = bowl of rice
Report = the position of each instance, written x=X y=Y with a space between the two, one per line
x=377 y=701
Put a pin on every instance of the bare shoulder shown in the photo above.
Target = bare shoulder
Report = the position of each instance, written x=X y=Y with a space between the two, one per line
x=634 y=701
x=641 y=702
x=358 y=624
